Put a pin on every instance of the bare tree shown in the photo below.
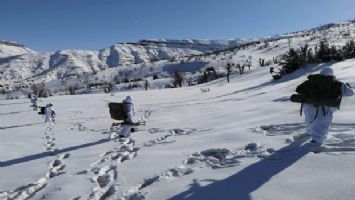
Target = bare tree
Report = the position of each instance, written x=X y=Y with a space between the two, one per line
x=240 y=68
x=39 y=89
x=178 y=79
x=262 y=62
x=72 y=89
x=190 y=81
x=108 y=87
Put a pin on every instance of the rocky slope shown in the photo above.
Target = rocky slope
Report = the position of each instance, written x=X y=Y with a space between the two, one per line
x=18 y=63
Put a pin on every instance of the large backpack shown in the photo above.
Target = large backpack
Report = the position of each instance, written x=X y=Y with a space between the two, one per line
x=42 y=110
x=319 y=91
x=118 y=111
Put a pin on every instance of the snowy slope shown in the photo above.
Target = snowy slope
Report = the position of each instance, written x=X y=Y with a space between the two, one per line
x=12 y=49
x=19 y=64
x=268 y=49
x=20 y=70
x=241 y=140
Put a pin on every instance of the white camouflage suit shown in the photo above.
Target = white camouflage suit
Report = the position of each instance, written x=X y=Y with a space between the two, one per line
x=49 y=113
x=318 y=128
x=34 y=101
x=125 y=130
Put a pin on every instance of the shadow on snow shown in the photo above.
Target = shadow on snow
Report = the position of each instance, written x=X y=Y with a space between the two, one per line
x=241 y=185
x=18 y=126
x=16 y=112
x=46 y=154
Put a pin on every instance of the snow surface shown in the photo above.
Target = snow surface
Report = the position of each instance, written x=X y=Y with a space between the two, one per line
x=237 y=140
x=12 y=49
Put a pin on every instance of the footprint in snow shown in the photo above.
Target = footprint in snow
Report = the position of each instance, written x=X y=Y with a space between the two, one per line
x=29 y=190
x=337 y=142
x=103 y=172
x=281 y=129
x=105 y=182
x=178 y=131
x=155 y=130
x=79 y=126
x=160 y=140
x=26 y=191
x=147 y=114
x=215 y=158
x=172 y=132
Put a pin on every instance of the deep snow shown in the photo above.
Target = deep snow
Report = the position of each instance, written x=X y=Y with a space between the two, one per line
x=240 y=140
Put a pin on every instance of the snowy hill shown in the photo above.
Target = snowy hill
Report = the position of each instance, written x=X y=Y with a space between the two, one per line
x=21 y=70
x=241 y=140
x=217 y=140
x=12 y=49
x=18 y=64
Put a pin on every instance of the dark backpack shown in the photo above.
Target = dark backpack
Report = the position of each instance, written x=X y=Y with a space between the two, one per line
x=319 y=91
x=118 y=111
x=42 y=110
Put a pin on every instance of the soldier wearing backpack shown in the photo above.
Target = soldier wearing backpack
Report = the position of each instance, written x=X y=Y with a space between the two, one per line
x=129 y=109
x=124 y=112
x=320 y=96
x=49 y=113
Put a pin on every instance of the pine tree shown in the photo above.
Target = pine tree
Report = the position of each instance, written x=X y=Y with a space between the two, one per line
x=349 y=50
x=324 y=52
x=291 y=61
x=335 y=54
x=310 y=56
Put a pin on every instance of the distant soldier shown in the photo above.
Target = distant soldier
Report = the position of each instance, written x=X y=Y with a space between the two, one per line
x=271 y=70
x=34 y=101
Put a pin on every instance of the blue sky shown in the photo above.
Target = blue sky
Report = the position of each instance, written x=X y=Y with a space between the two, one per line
x=50 y=25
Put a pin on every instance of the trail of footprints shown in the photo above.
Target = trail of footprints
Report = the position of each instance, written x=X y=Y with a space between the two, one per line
x=103 y=172
x=213 y=158
x=336 y=143
x=221 y=158
x=55 y=168
x=78 y=126
x=103 y=175
x=172 y=132
x=49 y=138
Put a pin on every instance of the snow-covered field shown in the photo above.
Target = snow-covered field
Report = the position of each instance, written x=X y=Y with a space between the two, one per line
x=240 y=140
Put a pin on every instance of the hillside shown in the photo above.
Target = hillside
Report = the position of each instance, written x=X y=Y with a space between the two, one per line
x=146 y=58
x=12 y=49
x=214 y=139
x=241 y=140
x=19 y=65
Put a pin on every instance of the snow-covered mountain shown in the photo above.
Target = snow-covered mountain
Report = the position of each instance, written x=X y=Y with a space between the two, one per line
x=8 y=48
x=18 y=63
x=23 y=67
